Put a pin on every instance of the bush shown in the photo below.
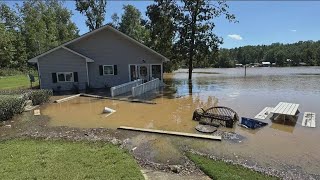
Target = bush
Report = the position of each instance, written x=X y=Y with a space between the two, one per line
x=13 y=101
x=40 y=96
x=11 y=105
x=36 y=96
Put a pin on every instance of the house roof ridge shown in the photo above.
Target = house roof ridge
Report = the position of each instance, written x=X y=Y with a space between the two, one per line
x=34 y=59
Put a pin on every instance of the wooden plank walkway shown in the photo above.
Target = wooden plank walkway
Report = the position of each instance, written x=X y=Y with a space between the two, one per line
x=286 y=109
x=309 y=119
x=202 y=136
x=67 y=98
x=264 y=113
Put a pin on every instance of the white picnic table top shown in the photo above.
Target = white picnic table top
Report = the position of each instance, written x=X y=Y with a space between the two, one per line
x=286 y=108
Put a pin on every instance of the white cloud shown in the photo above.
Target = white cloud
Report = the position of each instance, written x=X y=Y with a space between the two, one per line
x=293 y=30
x=235 y=37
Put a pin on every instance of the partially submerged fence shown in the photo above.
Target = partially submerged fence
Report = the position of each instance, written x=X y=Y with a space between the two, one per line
x=124 y=88
x=145 y=87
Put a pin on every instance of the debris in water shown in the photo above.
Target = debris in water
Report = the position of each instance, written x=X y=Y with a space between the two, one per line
x=206 y=128
x=108 y=110
x=36 y=112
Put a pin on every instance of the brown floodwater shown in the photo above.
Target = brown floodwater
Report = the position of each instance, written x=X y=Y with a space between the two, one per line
x=273 y=145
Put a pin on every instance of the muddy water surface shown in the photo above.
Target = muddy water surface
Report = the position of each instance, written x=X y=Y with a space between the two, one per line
x=273 y=146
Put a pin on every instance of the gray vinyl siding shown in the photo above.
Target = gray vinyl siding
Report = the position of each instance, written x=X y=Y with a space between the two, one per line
x=62 y=60
x=109 y=48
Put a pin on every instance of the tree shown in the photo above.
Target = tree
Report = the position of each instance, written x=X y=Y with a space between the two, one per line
x=115 y=20
x=317 y=55
x=44 y=25
x=8 y=17
x=131 y=24
x=94 y=10
x=280 y=58
x=66 y=29
x=7 y=48
x=12 y=46
x=196 y=28
x=163 y=29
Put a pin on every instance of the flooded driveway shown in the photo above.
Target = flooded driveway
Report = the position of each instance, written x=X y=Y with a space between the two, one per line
x=285 y=147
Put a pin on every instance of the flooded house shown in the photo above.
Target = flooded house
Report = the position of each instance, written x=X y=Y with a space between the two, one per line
x=101 y=58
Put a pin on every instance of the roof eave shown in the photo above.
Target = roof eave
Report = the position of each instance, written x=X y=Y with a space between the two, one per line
x=33 y=60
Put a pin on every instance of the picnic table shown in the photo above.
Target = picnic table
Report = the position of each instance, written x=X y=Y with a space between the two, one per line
x=285 y=109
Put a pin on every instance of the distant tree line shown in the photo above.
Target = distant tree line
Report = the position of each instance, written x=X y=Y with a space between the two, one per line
x=300 y=53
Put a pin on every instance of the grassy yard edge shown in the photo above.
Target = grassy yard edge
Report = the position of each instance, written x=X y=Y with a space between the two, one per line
x=218 y=169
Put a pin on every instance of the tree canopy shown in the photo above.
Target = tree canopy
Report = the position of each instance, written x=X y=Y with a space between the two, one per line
x=94 y=10
x=132 y=24
x=33 y=28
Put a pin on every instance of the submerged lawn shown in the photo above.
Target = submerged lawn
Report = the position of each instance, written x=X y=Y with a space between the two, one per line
x=222 y=170
x=36 y=159
x=16 y=82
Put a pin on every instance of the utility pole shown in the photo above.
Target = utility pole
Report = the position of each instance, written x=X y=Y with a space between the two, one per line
x=245 y=68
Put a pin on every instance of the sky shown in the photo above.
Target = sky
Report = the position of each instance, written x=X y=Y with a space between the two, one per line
x=260 y=22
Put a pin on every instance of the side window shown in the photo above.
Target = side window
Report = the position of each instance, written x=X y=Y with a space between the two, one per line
x=65 y=76
x=108 y=70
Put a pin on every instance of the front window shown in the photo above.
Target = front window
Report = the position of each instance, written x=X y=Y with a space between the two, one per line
x=156 y=71
x=65 y=77
x=108 y=70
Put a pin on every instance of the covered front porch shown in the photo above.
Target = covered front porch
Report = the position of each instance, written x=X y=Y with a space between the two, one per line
x=146 y=72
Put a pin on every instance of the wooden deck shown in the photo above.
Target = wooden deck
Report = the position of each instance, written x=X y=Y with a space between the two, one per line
x=264 y=113
x=309 y=119
x=284 y=108
x=202 y=136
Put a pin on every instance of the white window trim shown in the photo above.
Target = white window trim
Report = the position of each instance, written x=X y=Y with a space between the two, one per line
x=65 y=77
x=112 y=70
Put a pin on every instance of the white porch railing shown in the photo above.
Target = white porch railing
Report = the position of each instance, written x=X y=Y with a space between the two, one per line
x=124 y=88
x=145 y=87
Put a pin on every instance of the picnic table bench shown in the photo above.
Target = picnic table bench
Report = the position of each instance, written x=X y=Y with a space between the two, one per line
x=216 y=116
x=285 y=109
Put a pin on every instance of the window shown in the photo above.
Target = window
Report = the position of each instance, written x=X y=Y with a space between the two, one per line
x=108 y=70
x=65 y=77
x=156 y=71
x=133 y=72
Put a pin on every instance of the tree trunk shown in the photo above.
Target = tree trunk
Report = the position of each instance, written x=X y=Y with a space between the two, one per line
x=192 y=38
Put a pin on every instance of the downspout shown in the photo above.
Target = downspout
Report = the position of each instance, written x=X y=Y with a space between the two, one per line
x=87 y=72
x=39 y=76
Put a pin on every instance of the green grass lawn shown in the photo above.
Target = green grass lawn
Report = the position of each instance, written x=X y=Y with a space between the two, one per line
x=16 y=82
x=222 y=170
x=39 y=159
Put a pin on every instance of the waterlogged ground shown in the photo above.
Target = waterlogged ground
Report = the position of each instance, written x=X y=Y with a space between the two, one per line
x=288 y=148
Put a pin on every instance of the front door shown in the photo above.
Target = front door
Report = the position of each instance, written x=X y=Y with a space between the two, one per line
x=143 y=73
